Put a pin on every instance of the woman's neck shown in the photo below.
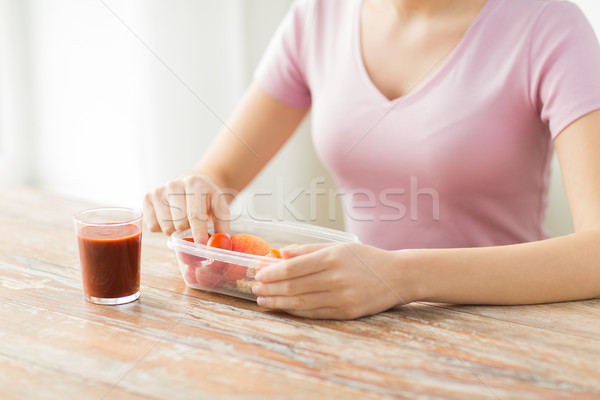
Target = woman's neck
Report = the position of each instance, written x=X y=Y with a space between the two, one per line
x=431 y=8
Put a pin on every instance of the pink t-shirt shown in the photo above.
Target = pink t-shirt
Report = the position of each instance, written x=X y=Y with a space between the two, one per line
x=462 y=160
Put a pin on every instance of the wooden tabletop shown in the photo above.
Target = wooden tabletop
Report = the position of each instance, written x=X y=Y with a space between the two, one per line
x=181 y=343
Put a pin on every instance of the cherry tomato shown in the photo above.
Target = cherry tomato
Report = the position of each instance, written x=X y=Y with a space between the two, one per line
x=221 y=241
x=216 y=278
x=210 y=277
x=192 y=239
x=189 y=274
x=232 y=273
x=189 y=259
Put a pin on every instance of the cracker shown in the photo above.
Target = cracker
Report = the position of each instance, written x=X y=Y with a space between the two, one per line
x=245 y=285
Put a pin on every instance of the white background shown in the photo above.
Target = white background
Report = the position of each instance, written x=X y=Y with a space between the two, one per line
x=105 y=100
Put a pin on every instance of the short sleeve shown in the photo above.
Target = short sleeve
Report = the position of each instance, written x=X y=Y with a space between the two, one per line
x=281 y=71
x=564 y=66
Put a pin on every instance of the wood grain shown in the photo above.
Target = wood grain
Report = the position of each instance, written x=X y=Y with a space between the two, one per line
x=181 y=343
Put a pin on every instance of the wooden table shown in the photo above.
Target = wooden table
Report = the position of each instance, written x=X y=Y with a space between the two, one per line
x=180 y=343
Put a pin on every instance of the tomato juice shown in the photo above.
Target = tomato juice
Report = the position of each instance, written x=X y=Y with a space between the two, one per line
x=110 y=260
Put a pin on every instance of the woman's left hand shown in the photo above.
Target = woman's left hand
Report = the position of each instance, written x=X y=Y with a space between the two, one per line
x=334 y=281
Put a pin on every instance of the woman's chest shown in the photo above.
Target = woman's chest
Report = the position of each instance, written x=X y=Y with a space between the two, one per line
x=449 y=135
x=400 y=55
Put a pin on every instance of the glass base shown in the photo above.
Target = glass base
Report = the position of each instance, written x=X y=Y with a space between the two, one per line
x=113 y=301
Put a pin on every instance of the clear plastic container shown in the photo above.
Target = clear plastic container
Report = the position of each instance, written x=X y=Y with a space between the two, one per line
x=231 y=272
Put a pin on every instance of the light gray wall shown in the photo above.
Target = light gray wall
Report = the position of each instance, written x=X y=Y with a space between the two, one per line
x=296 y=168
x=16 y=99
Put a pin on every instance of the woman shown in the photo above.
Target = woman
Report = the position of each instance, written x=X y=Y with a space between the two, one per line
x=460 y=102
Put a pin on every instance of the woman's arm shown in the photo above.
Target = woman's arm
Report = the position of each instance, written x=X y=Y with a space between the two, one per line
x=254 y=133
x=348 y=281
x=558 y=269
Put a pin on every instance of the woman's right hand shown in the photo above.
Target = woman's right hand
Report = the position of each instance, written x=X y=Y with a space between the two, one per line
x=187 y=203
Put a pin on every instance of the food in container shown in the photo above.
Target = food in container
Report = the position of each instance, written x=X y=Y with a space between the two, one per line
x=232 y=272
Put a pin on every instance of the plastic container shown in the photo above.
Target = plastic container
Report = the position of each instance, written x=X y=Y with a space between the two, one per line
x=232 y=273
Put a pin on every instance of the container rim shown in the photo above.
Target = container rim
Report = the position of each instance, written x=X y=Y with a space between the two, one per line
x=213 y=253
x=177 y=243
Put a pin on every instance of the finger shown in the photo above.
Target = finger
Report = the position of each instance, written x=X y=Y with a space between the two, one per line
x=163 y=213
x=196 y=209
x=308 y=301
x=220 y=211
x=292 y=287
x=290 y=269
x=176 y=197
x=290 y=252
x=149 y=214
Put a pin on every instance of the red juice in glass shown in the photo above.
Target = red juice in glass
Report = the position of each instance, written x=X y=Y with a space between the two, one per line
x=110 y=252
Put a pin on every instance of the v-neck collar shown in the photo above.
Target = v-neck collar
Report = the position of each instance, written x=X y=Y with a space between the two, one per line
x=435 y=76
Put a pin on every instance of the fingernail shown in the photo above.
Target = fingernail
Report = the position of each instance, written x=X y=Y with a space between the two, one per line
x=261 y=301
x=258 y=277
x=256 y=289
